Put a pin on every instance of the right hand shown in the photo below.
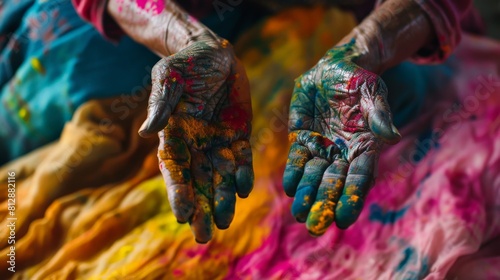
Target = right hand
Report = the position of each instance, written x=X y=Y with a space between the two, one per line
x=339 y=119
x=201 y=109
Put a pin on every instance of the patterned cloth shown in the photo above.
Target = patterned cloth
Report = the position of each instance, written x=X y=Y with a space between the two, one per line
x=51 y=62
x=93 y=205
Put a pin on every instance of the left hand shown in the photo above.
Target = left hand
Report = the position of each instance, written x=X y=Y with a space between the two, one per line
x=339 y=119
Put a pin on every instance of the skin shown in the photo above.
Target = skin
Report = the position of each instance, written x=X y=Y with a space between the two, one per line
x=200 y=105
x=340 y=118
x=201 y=110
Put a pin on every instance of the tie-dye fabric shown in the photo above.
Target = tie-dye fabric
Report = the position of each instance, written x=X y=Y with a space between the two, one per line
x=93 y=206
x=51 y=62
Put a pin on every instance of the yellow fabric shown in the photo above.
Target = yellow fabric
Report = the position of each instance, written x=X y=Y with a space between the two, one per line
x=93 y=206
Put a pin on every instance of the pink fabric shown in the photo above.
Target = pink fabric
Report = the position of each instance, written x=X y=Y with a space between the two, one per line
x=94 y=11
x=433 y=213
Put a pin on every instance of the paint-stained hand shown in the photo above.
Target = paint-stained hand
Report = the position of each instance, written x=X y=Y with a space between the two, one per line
x=339 y=119
x=200 y=105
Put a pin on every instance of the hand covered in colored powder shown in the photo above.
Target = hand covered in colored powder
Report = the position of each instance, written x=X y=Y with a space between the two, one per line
x=339 y=119
x=200 y=105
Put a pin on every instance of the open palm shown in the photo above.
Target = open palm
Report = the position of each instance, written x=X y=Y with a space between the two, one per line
x=200 y=105
x=339 y=118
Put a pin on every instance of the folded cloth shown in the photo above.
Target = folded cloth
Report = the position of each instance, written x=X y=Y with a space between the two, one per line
x=432 y=214
x=51 y=62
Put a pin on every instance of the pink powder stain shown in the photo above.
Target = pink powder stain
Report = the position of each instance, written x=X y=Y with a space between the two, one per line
x=327 y=142
x=353 y=124
x=354 y=82
x=178 y=273
x=192 y=19
x=155 y=6
x=120 y=7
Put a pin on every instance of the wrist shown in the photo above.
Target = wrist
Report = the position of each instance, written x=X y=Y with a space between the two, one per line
x=179 y=35
x=366 y=51
x=374 y=51
x=392 y=33
x=165 y=30
x=182 y=30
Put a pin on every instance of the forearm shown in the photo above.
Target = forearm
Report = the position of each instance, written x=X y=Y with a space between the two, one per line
x=165 y=30
x=391 y=34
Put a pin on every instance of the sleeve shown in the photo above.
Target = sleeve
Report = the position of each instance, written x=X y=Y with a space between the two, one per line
x=94 y=11
x=446 y=17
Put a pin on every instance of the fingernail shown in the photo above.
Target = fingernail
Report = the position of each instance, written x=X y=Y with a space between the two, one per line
x=395 y=130
x=143 y=128
x=201 y=241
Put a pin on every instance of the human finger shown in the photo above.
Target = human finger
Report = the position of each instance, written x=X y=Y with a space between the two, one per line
x=307 y=188
x=322 y=212
x=360 y=178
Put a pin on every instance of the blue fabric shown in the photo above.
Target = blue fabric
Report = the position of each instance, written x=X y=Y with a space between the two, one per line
x=408 y=85
x=51 y=61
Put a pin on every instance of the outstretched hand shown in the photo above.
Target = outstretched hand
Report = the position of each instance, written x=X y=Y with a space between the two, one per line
x=339 y=119
x=200 y=105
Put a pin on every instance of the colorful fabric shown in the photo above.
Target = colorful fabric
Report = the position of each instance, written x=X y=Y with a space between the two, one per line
x=51 y=62
x=95 y=12
x=93 y=205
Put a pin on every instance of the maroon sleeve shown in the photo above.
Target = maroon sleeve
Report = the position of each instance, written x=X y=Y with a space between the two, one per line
x=94 y=11
x=446 y=17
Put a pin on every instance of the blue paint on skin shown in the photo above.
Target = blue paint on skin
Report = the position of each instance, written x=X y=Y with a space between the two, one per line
x=377 y=214
x=348 y=213
x=304 y=198
x=342 y=146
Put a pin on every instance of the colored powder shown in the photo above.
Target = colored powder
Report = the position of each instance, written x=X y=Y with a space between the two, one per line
x=155 y=6
x=37 y=65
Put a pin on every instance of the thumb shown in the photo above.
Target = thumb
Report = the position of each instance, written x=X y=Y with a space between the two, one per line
x=166 y=90
x=378 y=114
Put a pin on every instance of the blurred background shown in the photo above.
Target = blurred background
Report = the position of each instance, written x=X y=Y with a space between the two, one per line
x=490 y=10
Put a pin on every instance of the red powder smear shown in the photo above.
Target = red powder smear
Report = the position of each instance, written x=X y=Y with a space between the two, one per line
x=175 y=77
x=235 y=116
x=327 y=142
x=353 y=82
x=190 y=61
x=177 y=272
x=353 y=124
x=360 y=76
x=191 y=253
x=156 y=6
